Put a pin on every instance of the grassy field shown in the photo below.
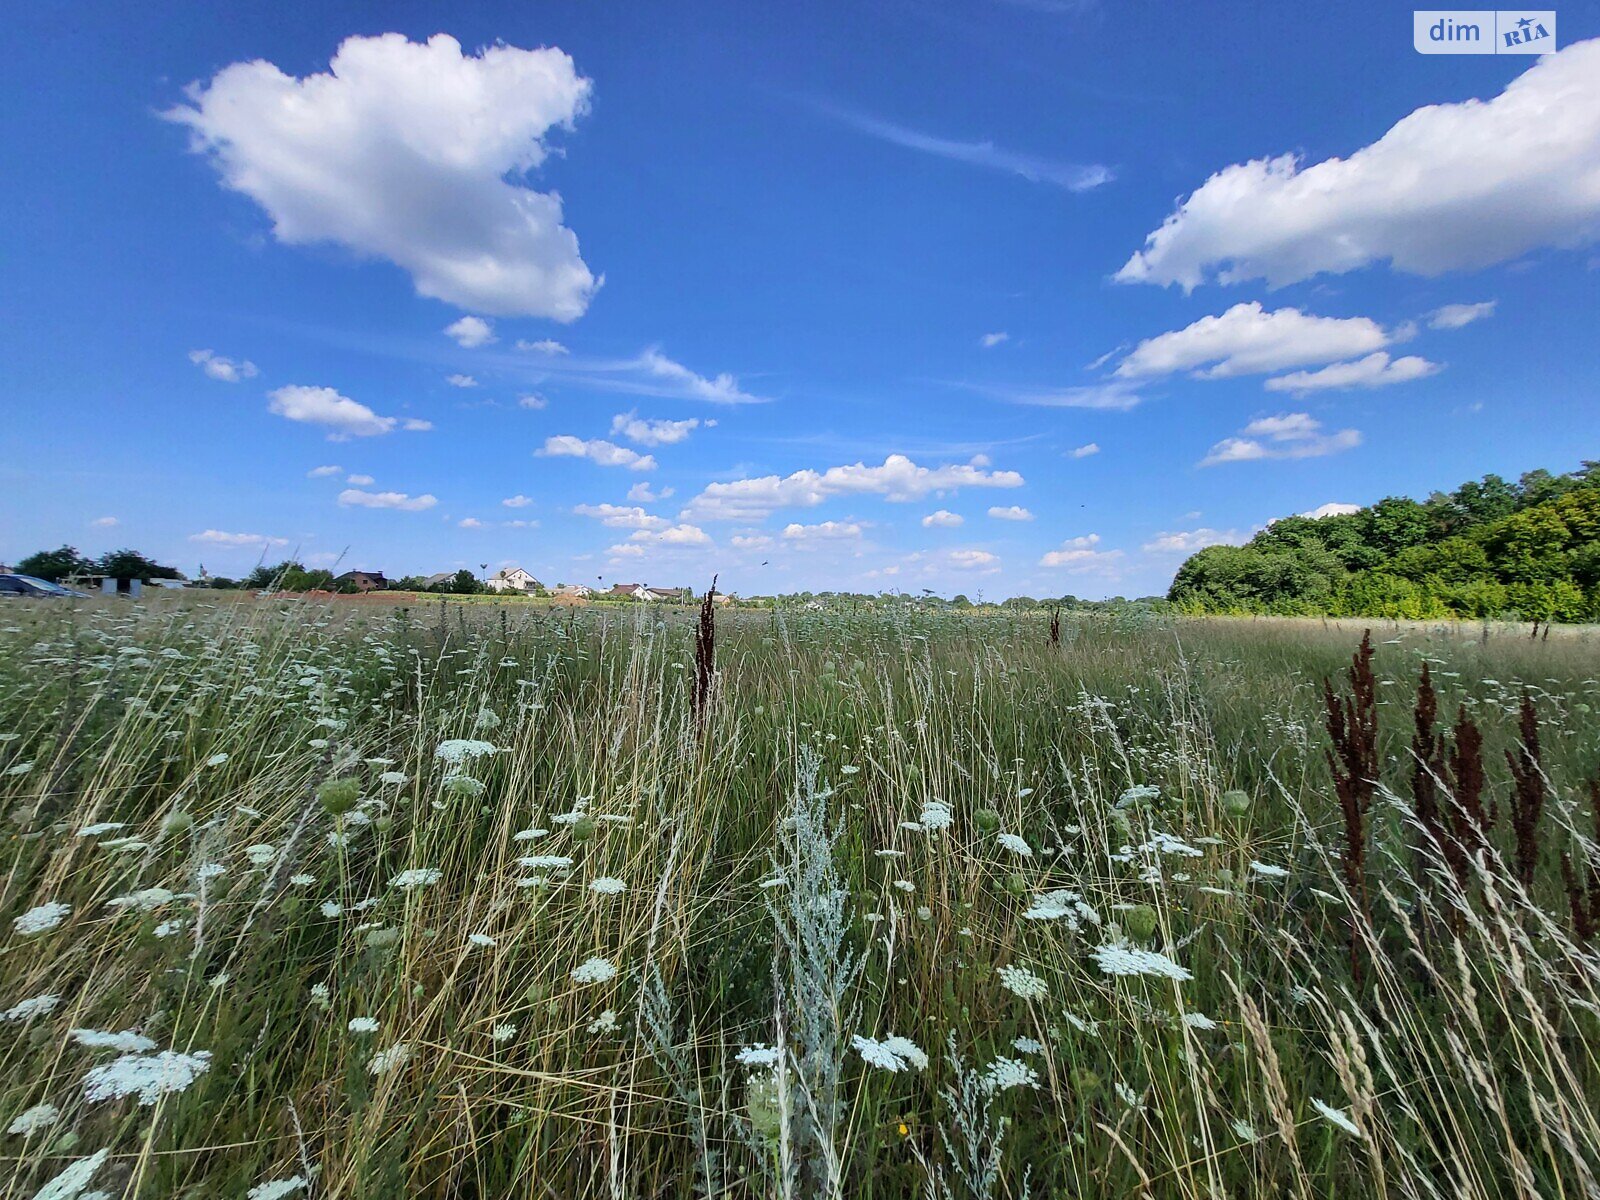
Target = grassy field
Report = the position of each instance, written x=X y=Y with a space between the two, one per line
x=312 y=899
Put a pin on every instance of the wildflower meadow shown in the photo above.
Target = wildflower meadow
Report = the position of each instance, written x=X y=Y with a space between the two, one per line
x=309 y=899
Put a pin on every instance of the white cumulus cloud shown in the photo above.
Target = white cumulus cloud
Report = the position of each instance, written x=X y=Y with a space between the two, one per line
x=1375 y=370
x=1454 y=186
x=897 y=478
x=217 y=537
x=1454 y=316
x=356 y=498
x=1247 y=339
x=1084 y=451
x=1079 y=555
x=943 y=519
x=1013 y=512
x=1331 y=509
x=825 y=531
x=1290 y=435
x=414 y=153
x=618 y=516
x=1189 y=540
x=653 y=433
x=596 y=450
x=226 y=369
x=346 y=418
x=471 y=332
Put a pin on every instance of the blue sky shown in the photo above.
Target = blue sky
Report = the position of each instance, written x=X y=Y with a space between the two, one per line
x=813 y=296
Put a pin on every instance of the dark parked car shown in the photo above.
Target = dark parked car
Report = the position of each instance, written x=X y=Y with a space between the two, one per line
x=26 y=586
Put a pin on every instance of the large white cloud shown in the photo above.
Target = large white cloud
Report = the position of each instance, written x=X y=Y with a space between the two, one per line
x=897 y=478
x=410 y=152
x=1248 y=339
x=1450 y=187
x=347 y=418
x=1187 y=541
x=1079 y=554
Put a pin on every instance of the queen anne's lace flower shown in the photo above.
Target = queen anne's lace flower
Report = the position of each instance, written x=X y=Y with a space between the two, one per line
x=1121 y=958
x=1020 y=981
x=891 y=1054
x=417 y=877
x=34 y=1006
x=1004 y=1073
x=459 y=750
x=127 y=1041
x=594 y=970
x=276 y=1189
x=42 y=919
x=384 y=1061
x=31 y=1120
x=74 y=1179
x=148 y=1076
x=1015 y=844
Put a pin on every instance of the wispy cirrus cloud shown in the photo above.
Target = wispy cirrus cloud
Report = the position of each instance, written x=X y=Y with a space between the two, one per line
x=1074 y=177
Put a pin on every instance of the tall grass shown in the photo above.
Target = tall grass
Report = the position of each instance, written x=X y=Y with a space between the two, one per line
x=502 y=901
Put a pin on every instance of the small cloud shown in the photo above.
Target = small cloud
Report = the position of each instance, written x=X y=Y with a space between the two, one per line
x=324 y=472
x=619 y=516
x=653 y=433
x=532 y=400
x=943 y=519
x=461 y=381
x=1013 y=512
x=471 y=332
x=416 y=425
x=104 y=523
x=543 y=346
x=359 y=480
x=216 y=537
x=469 y=523
x=1113 y=395
x=1290 y=435
x=825 y=531
x=640 y=493
x=1085 y=450
x=1188 y=541
x=973 y=560
x=1078 y=555
x=225 y=369
x=1454 y=316
x=354 y=497
x=1375 y=370
x=1331 y=509
x=596 y=450
x=324 y=406
x=990 y=340
x=517 y=501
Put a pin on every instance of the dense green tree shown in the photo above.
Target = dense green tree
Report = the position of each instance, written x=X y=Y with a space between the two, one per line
x=56 y=565
x=130 y=564
x=1488 y=549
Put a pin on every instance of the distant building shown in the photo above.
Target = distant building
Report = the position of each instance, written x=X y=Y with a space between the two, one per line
x=513 y=579
x=363 y=581
x=578 y=591
x=438 y=579
x=640 y=591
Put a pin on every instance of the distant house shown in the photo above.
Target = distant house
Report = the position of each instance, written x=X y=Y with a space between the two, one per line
x=438 y=579
x=363 y=581
x=513 y=579
x=641 y=591
x=576 y=590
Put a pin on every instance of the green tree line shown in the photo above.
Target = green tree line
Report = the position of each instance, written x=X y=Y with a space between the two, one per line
x=1528 y=551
